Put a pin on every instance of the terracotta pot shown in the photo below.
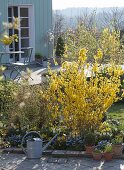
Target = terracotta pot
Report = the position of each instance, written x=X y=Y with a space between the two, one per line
x=89 y=149
x=108 y=156
x=58 y=60
x=39 y=60
x=97 y=156
x=117 y=150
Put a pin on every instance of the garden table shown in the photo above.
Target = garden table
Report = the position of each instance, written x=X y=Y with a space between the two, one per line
x=5 y=53
x=2 y=53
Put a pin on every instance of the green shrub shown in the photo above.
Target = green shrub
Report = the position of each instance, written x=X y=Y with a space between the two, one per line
x=60 y=48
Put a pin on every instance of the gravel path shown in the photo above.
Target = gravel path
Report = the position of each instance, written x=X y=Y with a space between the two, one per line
x=19 y=162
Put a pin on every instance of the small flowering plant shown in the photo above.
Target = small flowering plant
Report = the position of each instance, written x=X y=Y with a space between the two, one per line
x=98 y=149
x=108 y=147
x=117 y=140
x=102 y=144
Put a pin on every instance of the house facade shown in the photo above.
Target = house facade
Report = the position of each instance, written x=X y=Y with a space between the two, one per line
x=35 y=25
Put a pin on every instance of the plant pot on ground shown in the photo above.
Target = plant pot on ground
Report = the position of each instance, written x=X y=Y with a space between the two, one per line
x=117 y=145
x=97 y=154
x=58 y=60
x=38 y=58
x=108 y=152
x=89 y=143
x=45 y=61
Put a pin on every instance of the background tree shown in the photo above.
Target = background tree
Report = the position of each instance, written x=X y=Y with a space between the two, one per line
x=79 y=38
x=113 y=19
x=59 y=24
x=88 y=19
x=60 y=48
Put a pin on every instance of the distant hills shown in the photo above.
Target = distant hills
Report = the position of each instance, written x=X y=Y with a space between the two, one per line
x=71 y=12
x=70 y=15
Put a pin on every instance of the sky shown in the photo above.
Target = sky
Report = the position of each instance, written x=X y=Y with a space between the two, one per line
x=62 y=4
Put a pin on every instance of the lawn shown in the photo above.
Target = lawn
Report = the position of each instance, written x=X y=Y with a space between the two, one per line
x=117 y=111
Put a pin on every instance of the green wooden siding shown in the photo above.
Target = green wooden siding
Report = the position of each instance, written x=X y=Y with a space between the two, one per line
x=43 y=21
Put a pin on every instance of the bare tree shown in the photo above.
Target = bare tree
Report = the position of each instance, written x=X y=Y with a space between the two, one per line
x=87 y=19
x=59 y=22
x=113 y=19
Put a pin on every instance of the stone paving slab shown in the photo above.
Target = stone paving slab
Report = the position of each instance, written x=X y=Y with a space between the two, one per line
x=59 y=153
x=47 y=152
x=72 y=153
x=57 y=160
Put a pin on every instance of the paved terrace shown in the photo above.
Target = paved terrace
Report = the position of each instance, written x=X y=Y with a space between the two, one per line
x=14 y=159
x=20 y=162
x=36 y=73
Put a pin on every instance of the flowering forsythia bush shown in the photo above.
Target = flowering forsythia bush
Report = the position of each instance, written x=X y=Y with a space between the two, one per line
x=81 y=93
x=109 y=41
x=7 y=40
x=112 y=46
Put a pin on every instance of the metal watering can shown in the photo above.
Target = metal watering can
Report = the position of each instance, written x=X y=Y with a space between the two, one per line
x=35 y=146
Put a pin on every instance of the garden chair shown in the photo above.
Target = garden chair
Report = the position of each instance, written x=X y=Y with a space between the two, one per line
x=21 y=66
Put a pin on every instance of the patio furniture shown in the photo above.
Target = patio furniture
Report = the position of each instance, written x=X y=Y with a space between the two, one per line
x=21 y=66
x=5 y=54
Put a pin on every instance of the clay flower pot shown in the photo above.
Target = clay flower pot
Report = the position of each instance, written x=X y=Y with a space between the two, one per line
x=117 y=149
x=89 y=149
x=59 y=61
x=97 y=156
x=108 y=156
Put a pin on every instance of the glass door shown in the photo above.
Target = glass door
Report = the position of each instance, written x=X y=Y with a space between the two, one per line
x=23 y=33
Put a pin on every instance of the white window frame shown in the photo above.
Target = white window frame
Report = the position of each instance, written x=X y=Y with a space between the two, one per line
x=31 y=27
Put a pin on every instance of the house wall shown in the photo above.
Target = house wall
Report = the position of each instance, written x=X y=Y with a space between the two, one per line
x=42 y=23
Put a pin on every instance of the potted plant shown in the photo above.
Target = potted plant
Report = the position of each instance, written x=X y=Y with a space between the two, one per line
x=97 y=153
x=45 y=61
x=117 y=145
x=108 y=152
x=38 y=58
x=89 y=140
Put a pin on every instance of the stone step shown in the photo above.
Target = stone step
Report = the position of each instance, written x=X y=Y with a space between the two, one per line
x=56 y=153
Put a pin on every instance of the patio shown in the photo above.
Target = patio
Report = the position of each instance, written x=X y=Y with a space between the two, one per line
x=36 y=74
x=19 y=162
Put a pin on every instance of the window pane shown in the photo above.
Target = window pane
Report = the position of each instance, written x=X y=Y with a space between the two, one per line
x=23 y=12
x=10 y=20
x=25 y=22
x=15 y=11
x=16 y=57
x=25 y=43
x=11 y=45
x=24 y=54
x=10 y=32
x=9 y=12
x=16 y=46
x=16 y=32
x=11 y=55
x=24 y=32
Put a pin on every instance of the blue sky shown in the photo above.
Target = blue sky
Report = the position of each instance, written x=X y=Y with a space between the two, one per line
x=62 y=4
